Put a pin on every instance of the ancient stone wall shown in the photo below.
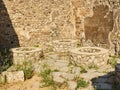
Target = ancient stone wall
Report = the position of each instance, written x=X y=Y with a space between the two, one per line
x=39 y=21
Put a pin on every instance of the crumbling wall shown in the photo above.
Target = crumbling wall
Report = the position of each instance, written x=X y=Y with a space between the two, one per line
x=82 y=9
x=39 y=21
x=98 y=27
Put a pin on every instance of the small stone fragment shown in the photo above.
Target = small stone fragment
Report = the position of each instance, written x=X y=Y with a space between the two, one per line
x=14 y=76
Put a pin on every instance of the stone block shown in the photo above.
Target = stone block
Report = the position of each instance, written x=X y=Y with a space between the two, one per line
x=2 y=79
x=15 y=76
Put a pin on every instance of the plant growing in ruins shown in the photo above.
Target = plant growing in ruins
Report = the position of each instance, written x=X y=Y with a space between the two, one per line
x=83 y=70
x=36 y=45
x=81 y=83
x=27 y=69
x=5 y=60
x=47 y=79
x=113 y=61
x=78 y=44
x=92 y=67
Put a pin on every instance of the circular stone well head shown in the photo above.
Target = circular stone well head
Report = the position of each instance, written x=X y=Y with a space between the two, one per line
x=64 y=45
x=26 y=54
x=87 y=56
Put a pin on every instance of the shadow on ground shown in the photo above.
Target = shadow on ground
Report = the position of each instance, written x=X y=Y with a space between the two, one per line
x=105 y=82
x=8 y=37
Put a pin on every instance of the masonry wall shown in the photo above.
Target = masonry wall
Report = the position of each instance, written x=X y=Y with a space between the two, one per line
x=40 y=21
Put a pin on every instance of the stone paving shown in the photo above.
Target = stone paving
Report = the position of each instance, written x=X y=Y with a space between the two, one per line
x=63 y=72
x=98 y=78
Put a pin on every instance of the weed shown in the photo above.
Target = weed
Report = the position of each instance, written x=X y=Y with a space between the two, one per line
x=56 y=70
x=113 y=61
x=83 y=70
x=92 y=67
x=78 y=44
x=45 y=66
x=5 y=60
x=81 y=83
x=36 y=45
x=27 y=69
x=47 y=79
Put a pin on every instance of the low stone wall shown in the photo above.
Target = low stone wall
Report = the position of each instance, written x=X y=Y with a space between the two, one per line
x=64 y=45
x=86 y=56
x=28 y=54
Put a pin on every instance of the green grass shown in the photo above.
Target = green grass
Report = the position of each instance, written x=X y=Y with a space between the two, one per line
x=78 y=44
x=36 y=45
x=27 y=68
x=47 y=79
x=81 y=83
x=5 y=60
x=113 y=61
x=92 y=67
x=83 y=70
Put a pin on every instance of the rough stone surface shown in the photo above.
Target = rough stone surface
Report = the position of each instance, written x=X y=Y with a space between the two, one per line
x=26 y=54
x=38 y=21
x=72 y=85
x=76 y=71
x=14 y=76
x=60 y=65
x=2 y=79
x=100 y=24
x=86 y=56
x=57 y=76
x=63 y=46
x=34 y=22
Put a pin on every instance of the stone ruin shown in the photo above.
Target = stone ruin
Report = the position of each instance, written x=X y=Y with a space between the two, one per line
x=64 y=23
x=38 y=22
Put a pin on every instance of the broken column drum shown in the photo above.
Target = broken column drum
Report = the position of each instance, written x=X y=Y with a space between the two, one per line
x=26 y=54
x=86 y=56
